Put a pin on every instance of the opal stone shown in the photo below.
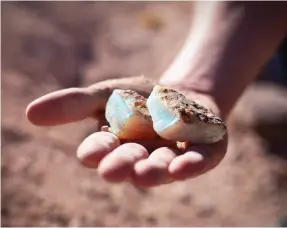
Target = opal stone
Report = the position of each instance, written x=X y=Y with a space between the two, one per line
x=166 y=114
x=128 y=116
x=162 y=117
x=177 y=118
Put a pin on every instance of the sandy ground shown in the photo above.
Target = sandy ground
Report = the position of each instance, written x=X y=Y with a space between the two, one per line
x=52 y=45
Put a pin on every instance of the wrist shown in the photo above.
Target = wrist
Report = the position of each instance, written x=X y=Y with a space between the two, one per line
x=202 y=78
x=225 y=50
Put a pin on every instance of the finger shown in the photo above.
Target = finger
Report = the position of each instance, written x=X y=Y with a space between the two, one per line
x=65 y=106
x=118 y=165
x=95 y=147
x=74 y=104
x=198 y=159
x=105 y=128
x=154 y=170
x=187 y=165
x=153 y=144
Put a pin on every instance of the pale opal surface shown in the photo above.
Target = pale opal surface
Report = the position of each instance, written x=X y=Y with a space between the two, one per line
x=163 y=119
x=169 y=126
x=117 y=111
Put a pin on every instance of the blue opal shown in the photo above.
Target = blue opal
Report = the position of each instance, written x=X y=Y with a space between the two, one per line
x=117 y=112
x=161 y=116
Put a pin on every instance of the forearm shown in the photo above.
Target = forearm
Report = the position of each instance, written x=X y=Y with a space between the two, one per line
x=228 y=45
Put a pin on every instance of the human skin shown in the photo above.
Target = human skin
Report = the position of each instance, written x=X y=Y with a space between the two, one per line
x=228 y=44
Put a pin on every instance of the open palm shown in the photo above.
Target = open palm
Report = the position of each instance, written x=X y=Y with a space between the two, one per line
x=144 y=163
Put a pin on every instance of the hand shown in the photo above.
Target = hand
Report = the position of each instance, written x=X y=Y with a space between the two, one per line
x=143 y=163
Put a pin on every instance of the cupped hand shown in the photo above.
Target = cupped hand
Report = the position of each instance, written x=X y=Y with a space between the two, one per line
x=145 y=163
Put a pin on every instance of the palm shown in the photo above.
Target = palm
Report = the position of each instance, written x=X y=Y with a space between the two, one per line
x=144 y=163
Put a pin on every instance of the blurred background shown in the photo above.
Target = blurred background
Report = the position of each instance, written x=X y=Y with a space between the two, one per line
x=48 y=46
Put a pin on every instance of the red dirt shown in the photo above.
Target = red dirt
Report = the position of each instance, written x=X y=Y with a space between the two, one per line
x=52 y=45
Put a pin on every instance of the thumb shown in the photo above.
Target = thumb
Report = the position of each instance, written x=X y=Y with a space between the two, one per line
x=75 y=104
